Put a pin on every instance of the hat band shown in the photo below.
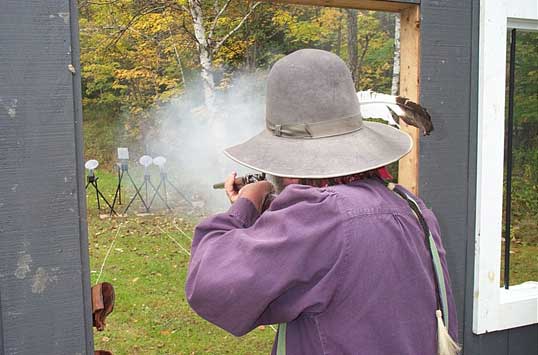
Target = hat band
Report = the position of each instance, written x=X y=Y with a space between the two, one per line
x=320 y=129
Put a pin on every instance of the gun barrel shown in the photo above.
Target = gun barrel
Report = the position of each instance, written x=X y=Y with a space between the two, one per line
x=239 y=182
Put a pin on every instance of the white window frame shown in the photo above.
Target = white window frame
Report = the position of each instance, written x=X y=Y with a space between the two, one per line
x=494 y=307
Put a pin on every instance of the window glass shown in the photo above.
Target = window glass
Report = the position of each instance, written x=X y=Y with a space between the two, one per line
x=523 y=230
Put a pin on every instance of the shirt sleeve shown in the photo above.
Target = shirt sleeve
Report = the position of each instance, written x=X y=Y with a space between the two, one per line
x=246 y=270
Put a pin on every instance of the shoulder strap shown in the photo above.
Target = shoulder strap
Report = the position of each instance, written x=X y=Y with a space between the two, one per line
x=281 y=339
x=432 y=247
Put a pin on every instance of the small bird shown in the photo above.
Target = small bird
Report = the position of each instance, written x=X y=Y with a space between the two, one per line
x=393 y=108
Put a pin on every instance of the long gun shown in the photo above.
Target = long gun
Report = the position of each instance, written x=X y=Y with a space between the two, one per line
x=241 y=181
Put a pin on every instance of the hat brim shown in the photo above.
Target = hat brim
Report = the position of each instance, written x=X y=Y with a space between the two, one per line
x=373 y=146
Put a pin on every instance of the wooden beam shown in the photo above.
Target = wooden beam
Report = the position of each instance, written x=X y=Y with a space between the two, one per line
x=409 y=87
x=379 y=5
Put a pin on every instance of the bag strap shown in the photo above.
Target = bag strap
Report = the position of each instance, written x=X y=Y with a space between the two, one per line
x=432 y=247
x=281 y=339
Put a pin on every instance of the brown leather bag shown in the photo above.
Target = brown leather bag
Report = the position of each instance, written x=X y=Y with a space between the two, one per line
x=102 y=304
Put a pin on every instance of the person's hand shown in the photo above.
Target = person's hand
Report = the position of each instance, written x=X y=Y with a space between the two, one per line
x=229 y=186
x=256 y=192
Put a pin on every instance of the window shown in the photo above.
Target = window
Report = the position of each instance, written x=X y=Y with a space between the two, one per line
x=520 y=201
x=496 y=308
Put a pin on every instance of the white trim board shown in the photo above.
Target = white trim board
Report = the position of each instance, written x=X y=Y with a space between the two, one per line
x=495 y=308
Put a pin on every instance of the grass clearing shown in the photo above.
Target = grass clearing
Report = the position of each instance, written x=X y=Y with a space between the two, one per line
x=148 y=270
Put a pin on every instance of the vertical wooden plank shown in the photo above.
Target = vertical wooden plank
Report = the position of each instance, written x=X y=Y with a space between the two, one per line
x=409 y=87
x=44 y=279
x=449 y=79
x=80 y=173
x=472 y=343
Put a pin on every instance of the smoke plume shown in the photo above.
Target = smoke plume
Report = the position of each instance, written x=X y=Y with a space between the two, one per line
x=192 y=139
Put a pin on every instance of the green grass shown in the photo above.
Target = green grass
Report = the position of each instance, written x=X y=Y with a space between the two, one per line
x=523 y=251
x=524 y=228
x=148 y=270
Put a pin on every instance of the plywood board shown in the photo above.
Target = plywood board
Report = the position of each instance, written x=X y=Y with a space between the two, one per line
x=409 y=87
x=44 y=277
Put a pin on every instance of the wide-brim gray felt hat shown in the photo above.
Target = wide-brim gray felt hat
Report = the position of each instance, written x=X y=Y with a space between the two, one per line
x=314 y=128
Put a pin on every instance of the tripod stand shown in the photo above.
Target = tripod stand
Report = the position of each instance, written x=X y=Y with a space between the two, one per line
x=119 y=183
x=92 y=180
x=147 y=181
x=162 y=184
x=124 y=170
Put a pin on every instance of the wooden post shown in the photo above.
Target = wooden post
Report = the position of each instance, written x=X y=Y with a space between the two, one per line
x=409 y=87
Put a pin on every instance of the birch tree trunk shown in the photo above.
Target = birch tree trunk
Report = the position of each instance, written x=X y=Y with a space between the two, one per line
x=352 y=52
x=396 y=66
x=204 y=53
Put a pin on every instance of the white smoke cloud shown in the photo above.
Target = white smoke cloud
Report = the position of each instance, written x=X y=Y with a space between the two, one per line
x=193 y=142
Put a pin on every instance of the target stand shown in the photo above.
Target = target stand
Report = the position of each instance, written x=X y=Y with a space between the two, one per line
x=160 y=161
x=123 y=166
x=91 y=179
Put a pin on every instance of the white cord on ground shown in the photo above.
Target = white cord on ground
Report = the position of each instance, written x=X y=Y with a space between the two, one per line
x=181 y=230
x=107 y=254
x=273 y=327
x=175 y=241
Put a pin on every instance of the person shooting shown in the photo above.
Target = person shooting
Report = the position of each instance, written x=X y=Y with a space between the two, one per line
x=344 y=261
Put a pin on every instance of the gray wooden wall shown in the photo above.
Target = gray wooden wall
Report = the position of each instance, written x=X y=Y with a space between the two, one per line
x=44 y=278
x=449 y=77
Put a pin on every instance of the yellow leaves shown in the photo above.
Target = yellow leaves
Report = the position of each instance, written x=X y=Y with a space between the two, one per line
x=135 y=73
x=330 y=18
x=305 y=29
x=283 y=18
x=232 y=52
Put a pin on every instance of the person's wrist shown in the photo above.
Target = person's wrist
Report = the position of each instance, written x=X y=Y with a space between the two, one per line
x=244 y=211
x=255 y=198
x=257 y=193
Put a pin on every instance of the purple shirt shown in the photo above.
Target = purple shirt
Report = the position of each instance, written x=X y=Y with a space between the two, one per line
x=345 y=266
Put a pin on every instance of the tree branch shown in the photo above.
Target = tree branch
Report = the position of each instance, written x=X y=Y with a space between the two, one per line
x=216 y=48
x=187 y=31
x=217 y=16
x=131 y=22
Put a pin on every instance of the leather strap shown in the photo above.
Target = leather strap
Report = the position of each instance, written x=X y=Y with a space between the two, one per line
x=97 y=298
x=320 y=129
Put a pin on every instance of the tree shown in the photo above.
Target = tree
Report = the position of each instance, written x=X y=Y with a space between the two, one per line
x=395 y=88
x=352 y=53
x=207 y=43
